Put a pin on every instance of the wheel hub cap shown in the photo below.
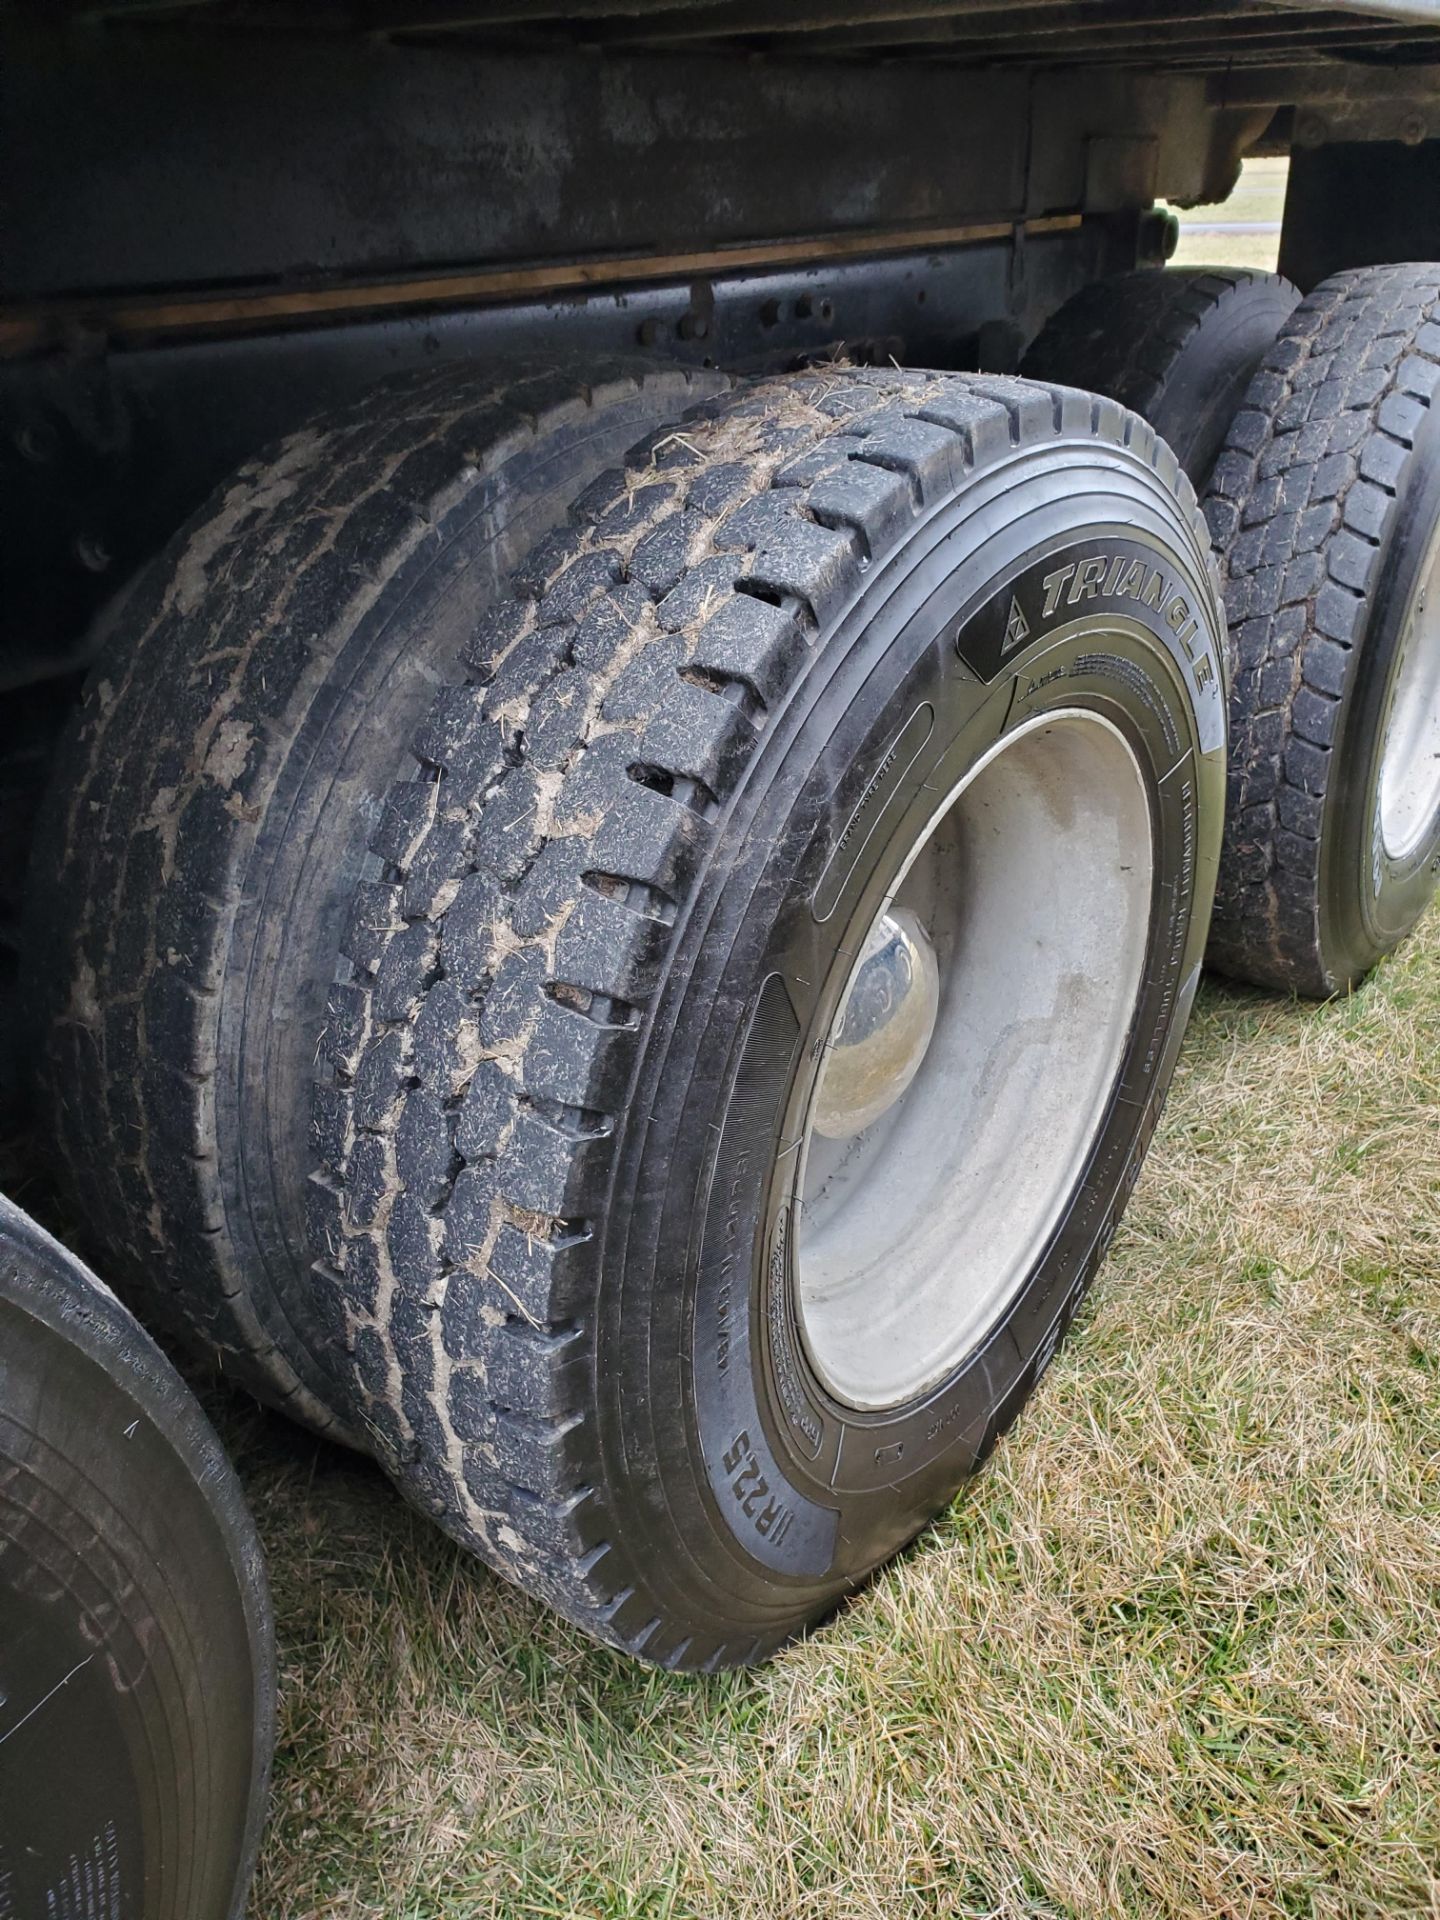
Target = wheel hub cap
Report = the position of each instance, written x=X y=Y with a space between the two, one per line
x=879 y=1040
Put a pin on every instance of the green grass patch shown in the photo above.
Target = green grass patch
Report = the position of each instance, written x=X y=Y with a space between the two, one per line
x=1259 y=196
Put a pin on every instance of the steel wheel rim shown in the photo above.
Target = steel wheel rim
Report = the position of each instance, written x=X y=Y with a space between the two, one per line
x=1410 y=757
x=1034 y=881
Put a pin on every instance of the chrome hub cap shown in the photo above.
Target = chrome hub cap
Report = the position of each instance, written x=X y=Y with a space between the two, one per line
x=884 y=1027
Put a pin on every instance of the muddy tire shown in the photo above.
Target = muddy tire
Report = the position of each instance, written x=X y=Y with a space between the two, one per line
x=1176 y=345
x=570 y=1083
x=137 y=1673
x=1325 y=507
x=208 y=818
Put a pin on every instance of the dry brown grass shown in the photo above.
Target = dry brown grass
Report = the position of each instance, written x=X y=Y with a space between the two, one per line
x=1174 y=1653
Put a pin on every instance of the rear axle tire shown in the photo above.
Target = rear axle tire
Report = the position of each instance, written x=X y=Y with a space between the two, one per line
x=207 y=822
x=137 y=1665
x=1325 y=508
x=849 y=642
x=1177 y=345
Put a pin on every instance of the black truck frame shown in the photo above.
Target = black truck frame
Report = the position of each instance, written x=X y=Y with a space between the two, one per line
x=222 y=215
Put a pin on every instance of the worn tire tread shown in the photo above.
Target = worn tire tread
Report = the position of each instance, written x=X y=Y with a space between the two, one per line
x=1300 y=505
x=141 y=853
x=610 y=710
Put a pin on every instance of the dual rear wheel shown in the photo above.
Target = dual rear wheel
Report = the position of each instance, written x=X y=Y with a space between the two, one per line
x=722 y=1056
x=671 y=1118
x=1312 y=431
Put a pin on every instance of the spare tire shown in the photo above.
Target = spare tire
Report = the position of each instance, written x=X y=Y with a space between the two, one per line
x=1325 y=507
x=780 y=960
x=1176 y=344
x=207 y=821
x=137 y=1668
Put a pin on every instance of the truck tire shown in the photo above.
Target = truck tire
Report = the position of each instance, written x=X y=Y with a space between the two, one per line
x=137 y=1670
x=841 y=622
x=1176 y=345
x=206 y=823
x=1325 y=507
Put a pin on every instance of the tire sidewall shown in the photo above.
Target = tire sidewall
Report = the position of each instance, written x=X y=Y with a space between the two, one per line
x=700 y=1370
x=143 y=1561
x=1206 y=385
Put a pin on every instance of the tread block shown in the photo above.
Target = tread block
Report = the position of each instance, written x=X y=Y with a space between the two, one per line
x=513 y=1004
x=381 y=1080
x=875 y=501
x=646 y=836
x=434 y=870
x=550 y=886
x=406 y=965
x=573 y=1059
x=347 y=1026
x=699 y=735
x=369 y=1177
x=547 y=1172
x=754 y=642
x=412 y=1240
x=325 y=1218
x=424 y=1148
x=486 y=1113
x=443 y=1033
x=932 y=456
x=468 y=1214
x=508 y=833
x=813 y=563
x=607 y=948
x=407 y=818
x=611 y=621
x=376 y=913
x=467 y=938
x=331 y=1124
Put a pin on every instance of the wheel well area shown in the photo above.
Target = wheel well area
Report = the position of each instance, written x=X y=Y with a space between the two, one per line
x=224 y=215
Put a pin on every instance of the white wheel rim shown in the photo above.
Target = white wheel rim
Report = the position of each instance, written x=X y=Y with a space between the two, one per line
x=1034 y=883
x=1410 y=757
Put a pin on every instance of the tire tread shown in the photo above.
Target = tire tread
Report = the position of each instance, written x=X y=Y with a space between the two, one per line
x=673 y=614
x=1300 y=504
x=161 y=779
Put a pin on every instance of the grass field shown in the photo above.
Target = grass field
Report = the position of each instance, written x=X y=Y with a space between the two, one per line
x=1260 y=198
x=1175 y=1653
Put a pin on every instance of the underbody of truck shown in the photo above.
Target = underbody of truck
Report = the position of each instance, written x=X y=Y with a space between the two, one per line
x=223 y=216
